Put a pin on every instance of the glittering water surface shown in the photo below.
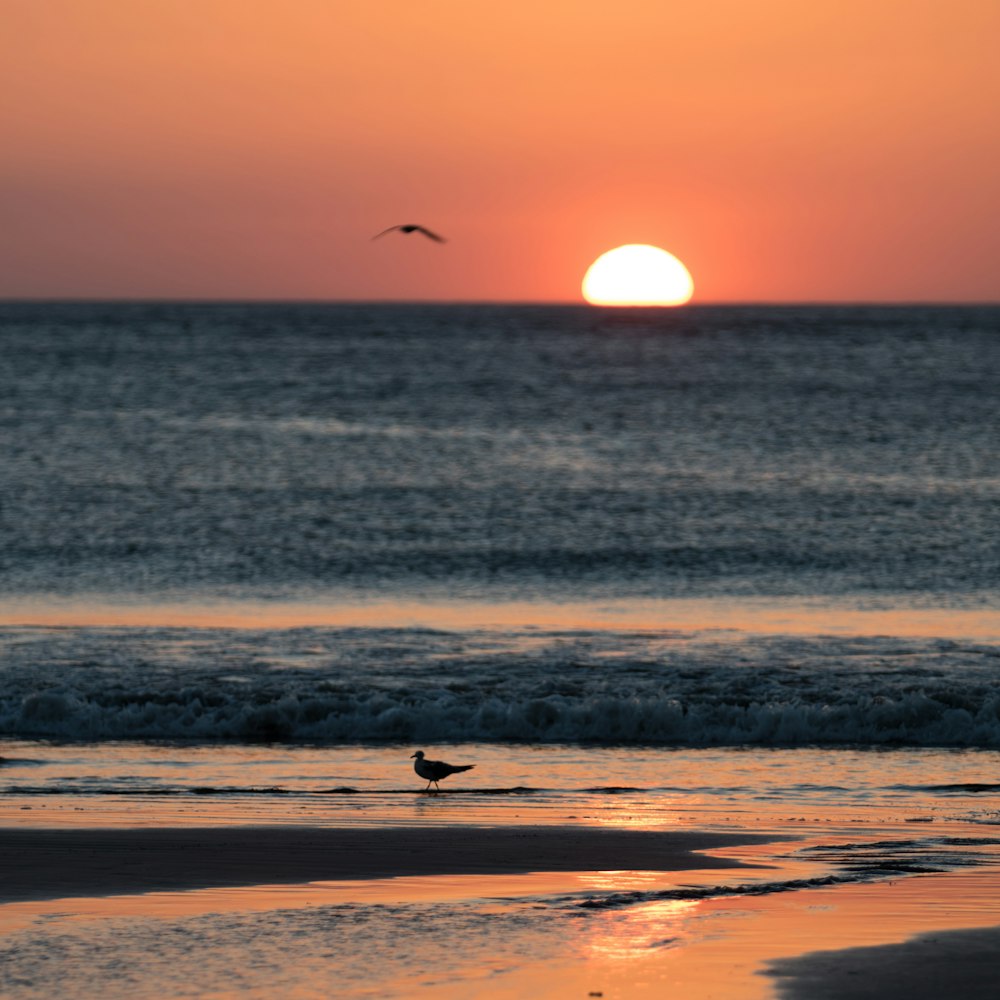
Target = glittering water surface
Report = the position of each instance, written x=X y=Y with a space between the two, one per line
x=498 y=451
x=641 y=787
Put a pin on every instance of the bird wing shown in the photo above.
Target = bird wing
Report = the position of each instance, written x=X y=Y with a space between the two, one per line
x=391 y=229
x=430 y=235
x=441 y=770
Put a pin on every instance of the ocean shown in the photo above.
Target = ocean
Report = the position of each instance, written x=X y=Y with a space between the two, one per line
x=335 y=456
x=734 y=567
x=499 y=452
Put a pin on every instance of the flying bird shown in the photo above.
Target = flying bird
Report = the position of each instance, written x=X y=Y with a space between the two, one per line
x=436 y=770
x=412 y=229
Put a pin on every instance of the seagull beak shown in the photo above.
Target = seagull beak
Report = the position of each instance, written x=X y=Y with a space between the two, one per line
x=412 y=755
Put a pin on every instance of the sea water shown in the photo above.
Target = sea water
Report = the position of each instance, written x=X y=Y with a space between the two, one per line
x=658 y=481
x=723 y=566
x=498 y=452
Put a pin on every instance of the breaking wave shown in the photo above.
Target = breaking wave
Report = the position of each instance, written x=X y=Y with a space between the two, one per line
x=329 y=685
x=300 y=716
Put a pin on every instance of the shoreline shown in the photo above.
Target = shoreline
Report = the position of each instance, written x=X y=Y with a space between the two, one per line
x=891 y=939
x=39 y=863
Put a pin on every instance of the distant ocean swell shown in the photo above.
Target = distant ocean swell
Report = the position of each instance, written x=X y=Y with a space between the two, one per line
x=341 y=686
x=507 y=452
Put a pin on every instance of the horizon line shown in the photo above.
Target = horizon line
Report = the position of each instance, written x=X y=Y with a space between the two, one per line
x=560 y=303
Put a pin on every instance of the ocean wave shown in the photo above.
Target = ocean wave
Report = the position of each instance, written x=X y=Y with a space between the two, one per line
x=334 y=686
x=195 y=714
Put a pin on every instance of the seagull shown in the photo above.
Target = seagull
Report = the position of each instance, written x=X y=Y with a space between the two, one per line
x=412 y=229
x=436 y=770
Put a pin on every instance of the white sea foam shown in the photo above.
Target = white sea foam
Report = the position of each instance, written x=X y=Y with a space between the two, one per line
x=415 y=685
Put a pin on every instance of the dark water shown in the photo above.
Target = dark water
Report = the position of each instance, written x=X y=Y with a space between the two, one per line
x=499 y=451
x=324 y=452
x=421 y=686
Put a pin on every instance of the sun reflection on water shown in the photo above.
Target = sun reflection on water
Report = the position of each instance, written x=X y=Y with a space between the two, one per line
x=641 y=812
x=639 y=931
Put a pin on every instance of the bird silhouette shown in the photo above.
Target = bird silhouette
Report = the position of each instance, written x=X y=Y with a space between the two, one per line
x=436 y=770
x=423 y=230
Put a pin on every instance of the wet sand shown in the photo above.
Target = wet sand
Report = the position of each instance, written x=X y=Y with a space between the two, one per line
x=52 y=864
x=919 y=938
x=960 y=963
x=850 y=942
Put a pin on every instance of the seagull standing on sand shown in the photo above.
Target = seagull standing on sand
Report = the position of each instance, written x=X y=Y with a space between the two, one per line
x=436 y=770
x=412 y=229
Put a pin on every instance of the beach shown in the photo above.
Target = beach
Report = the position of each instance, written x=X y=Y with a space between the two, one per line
x=756 y=888
x=562 y=910
x=47 y=864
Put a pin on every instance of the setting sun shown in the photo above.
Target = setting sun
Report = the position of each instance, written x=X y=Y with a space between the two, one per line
x=637 y=275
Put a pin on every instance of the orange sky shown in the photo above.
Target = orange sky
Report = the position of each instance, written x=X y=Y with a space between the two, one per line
x=784 y=150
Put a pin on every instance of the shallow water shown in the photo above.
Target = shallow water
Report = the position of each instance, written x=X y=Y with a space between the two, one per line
x=870 y=860
x=841 y=822
x=646 y=787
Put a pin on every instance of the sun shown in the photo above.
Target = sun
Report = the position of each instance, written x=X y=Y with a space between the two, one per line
x=637 y=275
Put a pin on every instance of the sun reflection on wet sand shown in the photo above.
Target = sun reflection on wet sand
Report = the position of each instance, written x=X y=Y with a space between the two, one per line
x=551 y=946
x=641 y=812
x=719 y=947
x=715 y=947
x=634 y=934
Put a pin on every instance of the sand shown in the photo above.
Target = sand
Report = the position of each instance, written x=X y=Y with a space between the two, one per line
x=718 y=947
x=961 y=964
x=52 y=864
